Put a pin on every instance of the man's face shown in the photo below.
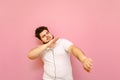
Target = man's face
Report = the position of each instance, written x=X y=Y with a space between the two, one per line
x=46 y=36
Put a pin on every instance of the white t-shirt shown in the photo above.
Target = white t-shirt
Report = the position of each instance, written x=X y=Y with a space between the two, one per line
x=57 y=65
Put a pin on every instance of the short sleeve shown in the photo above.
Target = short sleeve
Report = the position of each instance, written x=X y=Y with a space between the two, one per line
x=66 y=44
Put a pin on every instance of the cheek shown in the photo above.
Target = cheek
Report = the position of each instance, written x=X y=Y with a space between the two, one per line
x=43 y=39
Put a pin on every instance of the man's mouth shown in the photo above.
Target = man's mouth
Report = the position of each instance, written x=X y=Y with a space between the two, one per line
x=48 y=38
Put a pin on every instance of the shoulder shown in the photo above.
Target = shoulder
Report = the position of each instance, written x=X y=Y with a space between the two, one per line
x=62 y=40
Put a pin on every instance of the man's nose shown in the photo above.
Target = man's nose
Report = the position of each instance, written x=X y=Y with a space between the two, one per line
x=46 y=35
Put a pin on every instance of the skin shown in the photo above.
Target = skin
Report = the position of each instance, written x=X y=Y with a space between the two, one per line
x=48 y=41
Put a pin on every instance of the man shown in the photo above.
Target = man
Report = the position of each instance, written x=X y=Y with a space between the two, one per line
x=55 y=54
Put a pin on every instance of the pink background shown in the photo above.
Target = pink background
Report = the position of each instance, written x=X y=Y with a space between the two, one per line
x=93 y=25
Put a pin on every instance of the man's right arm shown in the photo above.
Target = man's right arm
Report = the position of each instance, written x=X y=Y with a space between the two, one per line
x=35 y=52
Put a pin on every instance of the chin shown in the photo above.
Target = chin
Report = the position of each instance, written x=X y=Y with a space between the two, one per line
x=46 y=42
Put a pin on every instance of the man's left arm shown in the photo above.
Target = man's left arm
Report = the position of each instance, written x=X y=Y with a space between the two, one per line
x=79 y=54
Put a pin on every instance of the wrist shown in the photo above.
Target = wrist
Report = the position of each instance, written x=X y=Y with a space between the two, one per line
x=83 y=59
x=46 y=45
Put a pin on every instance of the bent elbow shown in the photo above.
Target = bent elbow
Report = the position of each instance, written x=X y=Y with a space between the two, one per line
x=30 y=56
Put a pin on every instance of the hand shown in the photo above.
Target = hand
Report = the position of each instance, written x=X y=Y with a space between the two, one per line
x=52 y=42
x=87 y=64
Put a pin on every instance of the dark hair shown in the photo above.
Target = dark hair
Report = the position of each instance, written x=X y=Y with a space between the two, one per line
x=39 y=30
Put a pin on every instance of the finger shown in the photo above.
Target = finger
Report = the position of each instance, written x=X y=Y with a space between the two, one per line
x=86 y=67
x=89 y=65
x=89 y=61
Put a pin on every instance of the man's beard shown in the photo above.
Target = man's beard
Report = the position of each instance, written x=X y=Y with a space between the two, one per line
x=48 y=41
